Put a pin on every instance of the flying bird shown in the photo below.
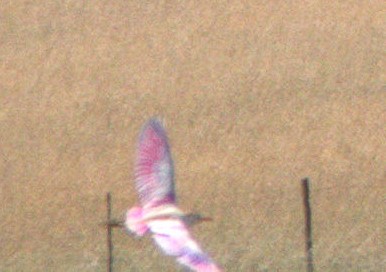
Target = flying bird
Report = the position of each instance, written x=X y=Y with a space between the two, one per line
x=157 y=212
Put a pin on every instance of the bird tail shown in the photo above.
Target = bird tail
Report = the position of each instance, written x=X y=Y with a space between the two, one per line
x=134 y=221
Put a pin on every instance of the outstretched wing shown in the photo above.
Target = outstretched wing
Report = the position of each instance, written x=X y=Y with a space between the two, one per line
x=174 y=239
x=154 y=175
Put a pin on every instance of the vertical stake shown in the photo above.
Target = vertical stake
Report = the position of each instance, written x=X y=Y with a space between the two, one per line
x=308 y=229
x=109 y=240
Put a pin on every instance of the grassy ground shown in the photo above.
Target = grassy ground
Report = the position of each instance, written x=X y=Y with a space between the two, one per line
x=255 y=96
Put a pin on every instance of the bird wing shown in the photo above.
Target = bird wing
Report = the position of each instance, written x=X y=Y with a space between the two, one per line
x=154 y=173
x=173 y=237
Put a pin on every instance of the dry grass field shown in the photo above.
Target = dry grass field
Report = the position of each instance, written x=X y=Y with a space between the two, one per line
x=255 y=95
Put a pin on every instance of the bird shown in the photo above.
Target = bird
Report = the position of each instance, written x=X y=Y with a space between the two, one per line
x=157 y=213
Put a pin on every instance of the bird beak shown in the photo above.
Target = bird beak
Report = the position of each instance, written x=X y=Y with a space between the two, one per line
x=114 y=223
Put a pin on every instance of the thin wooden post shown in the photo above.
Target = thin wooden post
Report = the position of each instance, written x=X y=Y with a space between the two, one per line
x=109 y=235
x=308 y=227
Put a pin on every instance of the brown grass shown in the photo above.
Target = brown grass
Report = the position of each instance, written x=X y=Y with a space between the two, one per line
x=255 y=96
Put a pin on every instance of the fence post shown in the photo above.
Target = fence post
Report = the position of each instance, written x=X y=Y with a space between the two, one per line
x=308 y=227
x=109 y=236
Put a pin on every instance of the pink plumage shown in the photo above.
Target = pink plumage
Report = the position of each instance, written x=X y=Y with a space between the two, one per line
x=158 y=213
x=154 y=166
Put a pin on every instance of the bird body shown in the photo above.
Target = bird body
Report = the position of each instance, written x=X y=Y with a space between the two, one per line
x=158 y=213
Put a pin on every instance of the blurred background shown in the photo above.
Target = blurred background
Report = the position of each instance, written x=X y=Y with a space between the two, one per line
x=255 y=96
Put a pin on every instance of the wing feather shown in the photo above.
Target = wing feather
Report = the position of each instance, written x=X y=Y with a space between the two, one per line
x=173 y=237
x=154 y=173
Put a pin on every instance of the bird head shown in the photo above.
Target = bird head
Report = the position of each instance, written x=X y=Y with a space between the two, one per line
x=132 y=222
